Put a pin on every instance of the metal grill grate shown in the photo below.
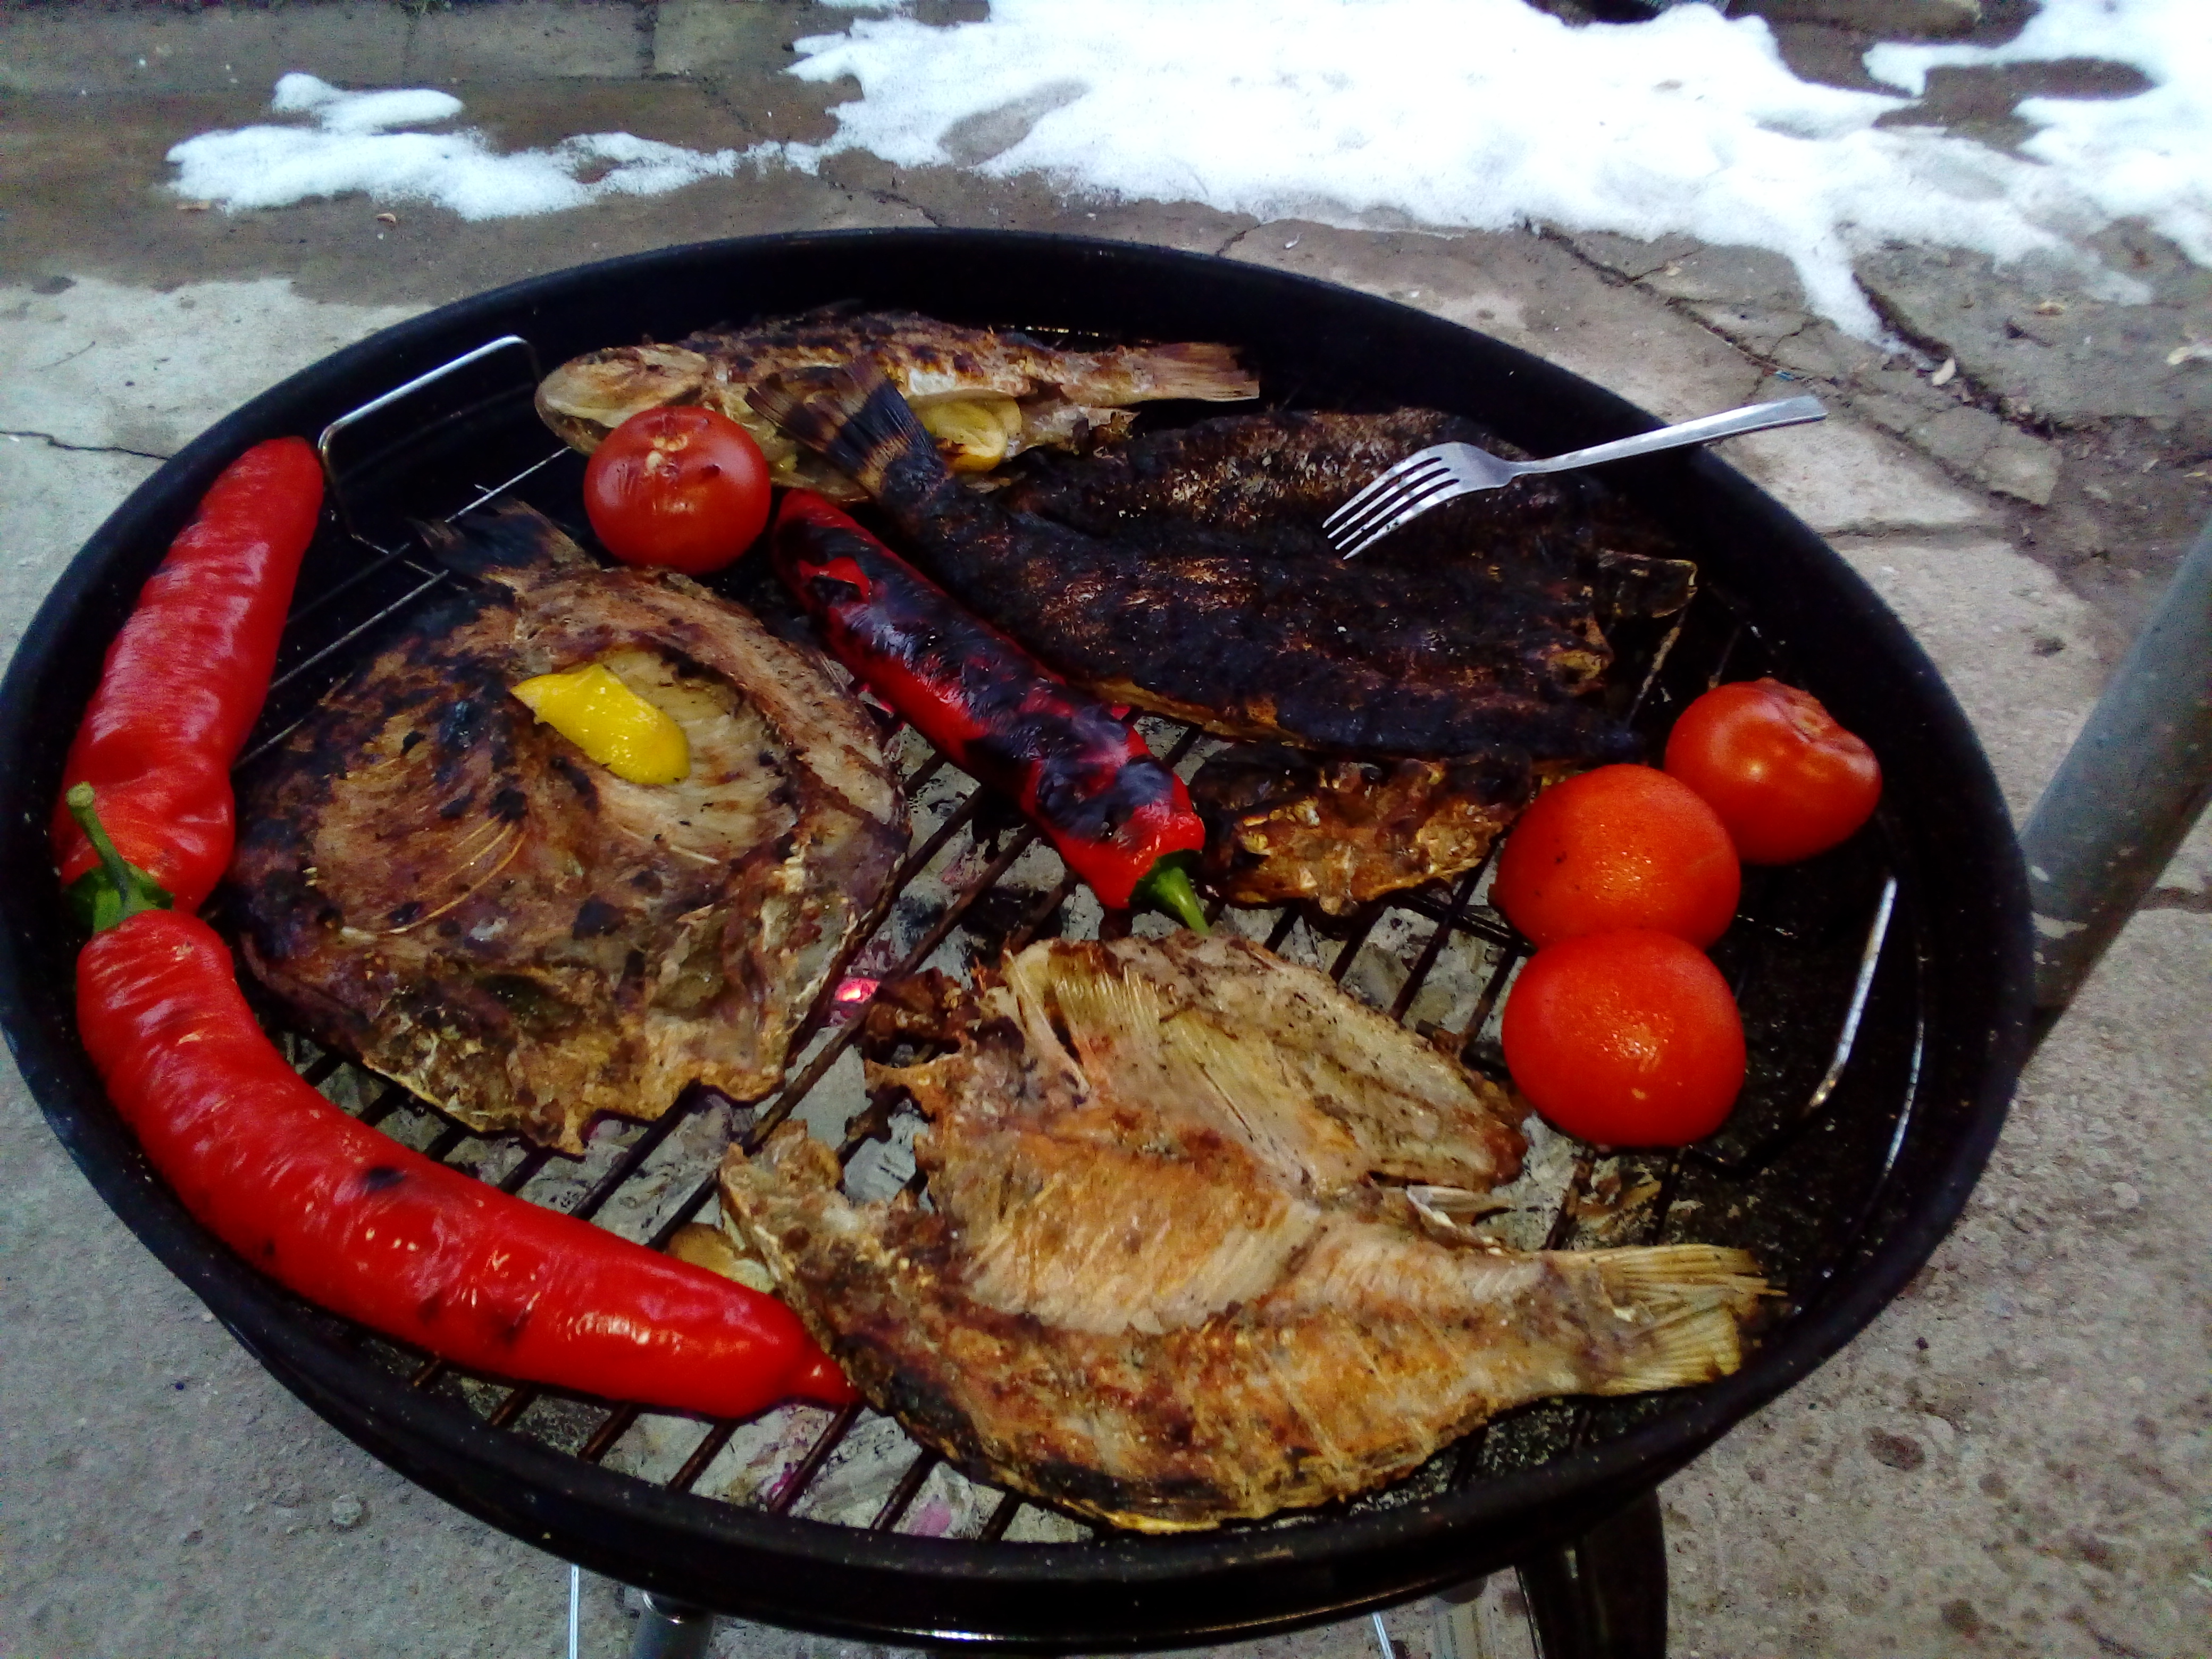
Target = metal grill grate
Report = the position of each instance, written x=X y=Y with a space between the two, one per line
x=1809 y=953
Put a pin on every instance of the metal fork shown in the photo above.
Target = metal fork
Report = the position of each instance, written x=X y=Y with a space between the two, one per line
x=1447 y=472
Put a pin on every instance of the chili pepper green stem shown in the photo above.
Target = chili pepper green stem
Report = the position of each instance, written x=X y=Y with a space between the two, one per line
x=117 y=889
x=1166 y=886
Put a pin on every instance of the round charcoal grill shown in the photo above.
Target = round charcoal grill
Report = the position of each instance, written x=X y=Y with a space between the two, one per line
x=1885 y=986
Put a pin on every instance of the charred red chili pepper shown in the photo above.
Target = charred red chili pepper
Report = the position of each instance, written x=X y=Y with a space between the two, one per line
x=362 y=1226
x=185 y=680
x=1121 y=819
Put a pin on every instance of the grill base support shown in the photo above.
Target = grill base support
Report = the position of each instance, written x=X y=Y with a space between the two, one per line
x=1603 y=1595
x=670 y=1629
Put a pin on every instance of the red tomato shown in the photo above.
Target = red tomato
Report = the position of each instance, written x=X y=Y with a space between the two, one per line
x=1626 y=1039
x=683 y=487
x=1786 y=780
x=1622 y=847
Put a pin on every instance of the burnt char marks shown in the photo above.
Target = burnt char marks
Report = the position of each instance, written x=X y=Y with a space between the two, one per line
x=502 y=544
x=572 y=774
x=437 y=884
x=1094 y=1491
x=862 y=426
x=459 y=729
x=1245 y=620
x=1063 y=752
x=595 y=918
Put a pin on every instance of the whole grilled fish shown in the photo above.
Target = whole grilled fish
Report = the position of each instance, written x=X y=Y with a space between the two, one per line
x=1159 y=1283
x=984 y=394
x=1239 y=618
x=466 y=901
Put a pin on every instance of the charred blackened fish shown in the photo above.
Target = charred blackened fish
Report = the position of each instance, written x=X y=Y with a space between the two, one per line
x=1246 y=627
x=983 y=394
x=1285 y=825
x=460 y=896
x=1160 y=1282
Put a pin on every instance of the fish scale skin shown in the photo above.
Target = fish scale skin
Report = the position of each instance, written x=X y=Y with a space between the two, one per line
x=1063 y=395
x=1370 y=1344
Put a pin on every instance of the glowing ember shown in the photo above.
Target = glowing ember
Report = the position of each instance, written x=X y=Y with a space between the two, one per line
x=852 y=995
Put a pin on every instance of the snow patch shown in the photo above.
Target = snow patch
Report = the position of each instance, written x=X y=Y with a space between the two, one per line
x=1485 y=115
x=353 y=147
x=2147 y=156
x=1439 y=114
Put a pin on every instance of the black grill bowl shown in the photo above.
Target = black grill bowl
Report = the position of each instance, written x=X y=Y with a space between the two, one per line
x=1944 y=1036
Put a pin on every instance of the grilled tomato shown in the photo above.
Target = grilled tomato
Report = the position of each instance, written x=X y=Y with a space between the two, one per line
x=1786 y=780
x=1627 y=1039
x=1624 y=847
x=683 y=487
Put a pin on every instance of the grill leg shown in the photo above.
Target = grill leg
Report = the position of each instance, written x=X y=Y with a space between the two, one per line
x=669 y=1629
x=1603 y=1595
x=2127 y=790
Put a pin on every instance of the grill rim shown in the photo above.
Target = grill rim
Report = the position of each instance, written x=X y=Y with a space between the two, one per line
x=1179 y=1589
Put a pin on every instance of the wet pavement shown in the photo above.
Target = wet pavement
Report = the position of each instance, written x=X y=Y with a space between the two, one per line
x=2012 y=1461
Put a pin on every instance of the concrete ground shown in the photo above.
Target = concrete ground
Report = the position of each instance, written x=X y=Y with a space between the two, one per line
x=2013 y=1461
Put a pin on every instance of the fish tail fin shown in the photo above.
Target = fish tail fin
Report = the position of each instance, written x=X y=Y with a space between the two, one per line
x=1195 y=369
x=857 y=421
x=1683 y=1307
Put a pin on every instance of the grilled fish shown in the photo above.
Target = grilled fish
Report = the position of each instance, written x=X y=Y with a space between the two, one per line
x=1283 y=825
x=458 y=895
x=1161 y=1283
x=1246 y=631
x=984 y=394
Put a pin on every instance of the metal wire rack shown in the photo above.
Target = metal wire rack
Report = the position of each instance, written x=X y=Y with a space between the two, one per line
x=1812 y=948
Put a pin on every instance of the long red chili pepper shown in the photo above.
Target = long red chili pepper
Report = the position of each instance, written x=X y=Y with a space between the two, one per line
x=367 y=1228
x=336 y=1211
x=185 y=680
x=1121 y=819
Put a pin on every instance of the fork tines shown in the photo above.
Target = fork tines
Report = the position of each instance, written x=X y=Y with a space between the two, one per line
x=1405 y=491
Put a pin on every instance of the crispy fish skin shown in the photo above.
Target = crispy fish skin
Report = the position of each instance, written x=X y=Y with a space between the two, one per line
x=1138 y=1308
x=1249 y=636
x=1283 y=826
x=454 y=893
x=1215 y=1036
x=1050 y=396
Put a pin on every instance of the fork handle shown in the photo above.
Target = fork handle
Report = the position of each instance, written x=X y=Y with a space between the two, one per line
x=1756 y=417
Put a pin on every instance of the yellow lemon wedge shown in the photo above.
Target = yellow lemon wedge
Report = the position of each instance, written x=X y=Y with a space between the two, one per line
x=594 y=710
x=972 y=433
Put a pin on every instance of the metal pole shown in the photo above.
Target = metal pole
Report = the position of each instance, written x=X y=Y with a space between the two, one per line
x=1602 y=1595
x=669 y=1629
x=2127 y=792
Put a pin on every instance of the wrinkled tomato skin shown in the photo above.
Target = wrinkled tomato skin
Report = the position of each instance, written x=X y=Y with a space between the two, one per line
x=685 y=488
x=1622 y=847
x=1626 y=1039
x=1785 y=778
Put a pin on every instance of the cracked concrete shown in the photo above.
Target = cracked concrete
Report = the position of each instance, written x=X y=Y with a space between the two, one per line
x=53 y=442
x=2012 y=1461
